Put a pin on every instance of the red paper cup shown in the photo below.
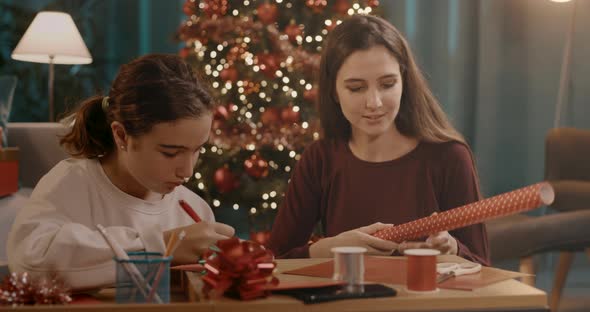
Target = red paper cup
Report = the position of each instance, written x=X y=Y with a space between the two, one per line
x=421 y=270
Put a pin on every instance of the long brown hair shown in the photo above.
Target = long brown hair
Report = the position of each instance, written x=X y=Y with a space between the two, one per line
x=420 y=115
x=149 y=90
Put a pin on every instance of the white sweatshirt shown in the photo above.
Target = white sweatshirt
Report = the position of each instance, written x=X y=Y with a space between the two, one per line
x=56 y=230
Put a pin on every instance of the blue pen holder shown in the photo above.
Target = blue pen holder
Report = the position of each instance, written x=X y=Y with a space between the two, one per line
x=152 y=270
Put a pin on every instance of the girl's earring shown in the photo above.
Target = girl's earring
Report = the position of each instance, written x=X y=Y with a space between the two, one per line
x=123 y=147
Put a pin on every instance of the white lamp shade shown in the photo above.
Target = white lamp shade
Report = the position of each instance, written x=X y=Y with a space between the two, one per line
x=52 y=34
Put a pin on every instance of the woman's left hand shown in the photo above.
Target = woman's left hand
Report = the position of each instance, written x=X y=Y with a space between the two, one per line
x=442 y=241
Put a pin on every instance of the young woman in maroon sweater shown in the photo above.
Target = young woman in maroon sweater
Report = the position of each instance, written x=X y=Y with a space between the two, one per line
x=389 y=154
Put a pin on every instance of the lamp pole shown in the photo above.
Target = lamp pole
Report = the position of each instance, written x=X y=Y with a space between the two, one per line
x=50 y=87
x=564 y=76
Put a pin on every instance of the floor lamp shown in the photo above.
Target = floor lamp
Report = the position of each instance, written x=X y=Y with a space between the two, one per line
x=565 y=72
x=52 y=38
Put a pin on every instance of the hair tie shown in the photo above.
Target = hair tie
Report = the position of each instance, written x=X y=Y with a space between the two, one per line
x=105 y=103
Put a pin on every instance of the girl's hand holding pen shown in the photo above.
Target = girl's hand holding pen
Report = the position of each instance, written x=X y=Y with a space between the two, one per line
x=199 y=237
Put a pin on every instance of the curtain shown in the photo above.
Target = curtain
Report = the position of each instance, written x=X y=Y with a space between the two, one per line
x=495 y=66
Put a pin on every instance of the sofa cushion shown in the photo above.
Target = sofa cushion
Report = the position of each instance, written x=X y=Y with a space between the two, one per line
x=517 y=236
x=7 y=86
x=39 y=149
x=9 y=207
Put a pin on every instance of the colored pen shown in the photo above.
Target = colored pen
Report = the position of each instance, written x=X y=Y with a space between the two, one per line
x=173 y=243
x=189 y=210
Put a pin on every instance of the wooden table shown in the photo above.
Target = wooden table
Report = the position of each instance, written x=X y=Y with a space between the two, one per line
x=509 y=295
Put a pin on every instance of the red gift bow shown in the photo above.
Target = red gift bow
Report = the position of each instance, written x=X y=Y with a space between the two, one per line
x=523 y=199
x=244 y=268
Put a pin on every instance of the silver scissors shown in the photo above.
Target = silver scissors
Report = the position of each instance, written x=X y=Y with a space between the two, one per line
x=451 y=269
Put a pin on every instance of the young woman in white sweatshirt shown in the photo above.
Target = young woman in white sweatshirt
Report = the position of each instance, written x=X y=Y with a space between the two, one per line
x=132 y=151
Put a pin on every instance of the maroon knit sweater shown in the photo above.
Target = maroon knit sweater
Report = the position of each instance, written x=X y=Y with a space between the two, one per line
x=333 y=186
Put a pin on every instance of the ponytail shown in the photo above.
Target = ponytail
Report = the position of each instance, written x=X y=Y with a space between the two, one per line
x=90 y=135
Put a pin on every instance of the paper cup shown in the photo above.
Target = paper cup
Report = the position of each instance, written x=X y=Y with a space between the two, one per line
x=421 y=270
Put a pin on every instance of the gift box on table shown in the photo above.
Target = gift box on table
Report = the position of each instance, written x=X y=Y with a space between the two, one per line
x=8 y=170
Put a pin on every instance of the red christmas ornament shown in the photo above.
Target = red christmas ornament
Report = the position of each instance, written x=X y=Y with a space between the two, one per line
x=373 y=3
x=229 y=74
x=225 y=180
x=268 y=64
x=256 y=166
x=192 y=32
x=235 y=53
x=185 y=52
x=332 y=25
x=270 y=116
x=288 y=115
x=190 y=7
x=250 y=87
x=341 y=7
x=293 y=30
x=267 y=13
x=311 y=95
x=215 y=8
x=221 y=113
x=316 y=5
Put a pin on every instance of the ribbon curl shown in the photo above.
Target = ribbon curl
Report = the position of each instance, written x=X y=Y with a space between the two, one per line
x=239 y=268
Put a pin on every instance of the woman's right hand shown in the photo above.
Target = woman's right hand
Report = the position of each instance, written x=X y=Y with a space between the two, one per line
x=361 y=237
x=199 y=237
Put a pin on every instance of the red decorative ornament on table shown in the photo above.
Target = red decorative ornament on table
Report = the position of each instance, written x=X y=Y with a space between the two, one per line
x=243 y=269
x=21 y=288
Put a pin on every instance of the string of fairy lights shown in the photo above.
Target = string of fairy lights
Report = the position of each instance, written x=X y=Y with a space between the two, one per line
x=254 y=97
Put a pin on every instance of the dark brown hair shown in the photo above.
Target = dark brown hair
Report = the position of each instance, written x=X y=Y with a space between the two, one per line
x=420 y=114
x=149 y=90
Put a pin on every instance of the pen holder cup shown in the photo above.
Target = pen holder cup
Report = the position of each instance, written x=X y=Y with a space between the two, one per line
x=140 y=273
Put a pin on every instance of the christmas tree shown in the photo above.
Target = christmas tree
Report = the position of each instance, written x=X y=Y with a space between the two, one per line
x=261 y=58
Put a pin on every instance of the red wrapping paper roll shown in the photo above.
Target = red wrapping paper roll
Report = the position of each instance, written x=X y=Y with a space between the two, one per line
x=523 y=199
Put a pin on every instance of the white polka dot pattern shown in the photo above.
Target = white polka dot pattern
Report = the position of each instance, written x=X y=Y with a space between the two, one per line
x=523 y=199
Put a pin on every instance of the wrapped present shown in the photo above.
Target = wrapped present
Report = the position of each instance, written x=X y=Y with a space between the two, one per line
x=8 y=170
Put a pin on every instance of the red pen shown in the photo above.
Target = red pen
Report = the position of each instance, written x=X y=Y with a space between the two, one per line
x=189 y=211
